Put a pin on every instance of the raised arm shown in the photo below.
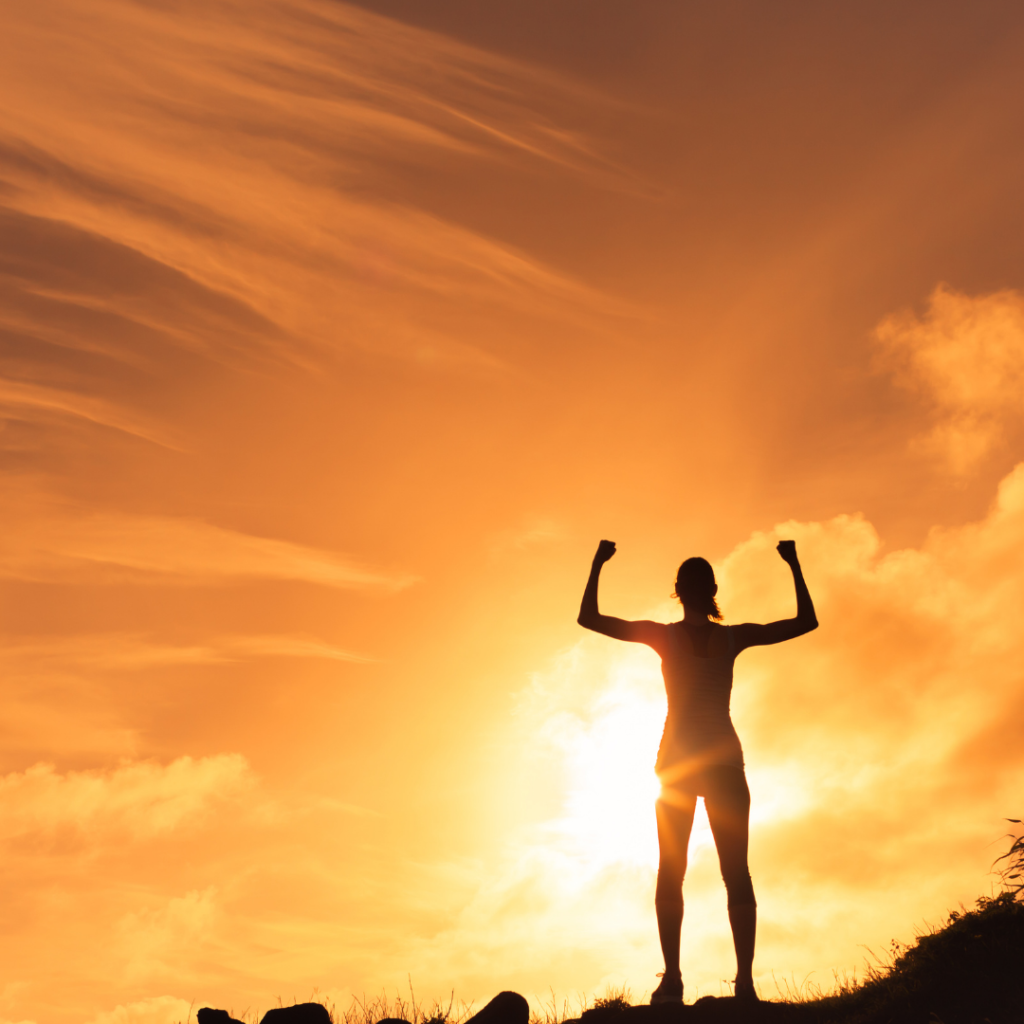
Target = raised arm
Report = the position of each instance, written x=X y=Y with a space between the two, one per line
x=752 y=634
x=642 y=631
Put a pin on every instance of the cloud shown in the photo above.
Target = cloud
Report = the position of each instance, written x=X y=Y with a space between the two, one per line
x=878 y=746
x=139 y=800
x=123 y=652
x=118 y=209
x=96 y=697
x=79 y=695
x=245 y=209
x=966 y=357
x=154 y=1010
x=279 y=646
x=22 y=400
x=46 y=540
x=156 y=939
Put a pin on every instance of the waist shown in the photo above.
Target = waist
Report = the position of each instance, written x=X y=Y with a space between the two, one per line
x=703 y=706
x=696 y=742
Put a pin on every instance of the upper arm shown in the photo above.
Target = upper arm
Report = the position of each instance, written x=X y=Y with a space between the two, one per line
x=756 y=634
x=640 y=631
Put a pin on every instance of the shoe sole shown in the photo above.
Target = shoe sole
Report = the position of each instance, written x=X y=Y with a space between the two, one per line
x=663 y=1000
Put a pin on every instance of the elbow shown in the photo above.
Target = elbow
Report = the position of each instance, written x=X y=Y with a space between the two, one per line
x=804 y=624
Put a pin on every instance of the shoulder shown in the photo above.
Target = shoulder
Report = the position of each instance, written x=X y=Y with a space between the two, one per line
x=654 y=634
x=757 y=634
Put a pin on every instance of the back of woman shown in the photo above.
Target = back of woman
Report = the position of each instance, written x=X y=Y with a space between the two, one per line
x=698 y=673
x=700 y=754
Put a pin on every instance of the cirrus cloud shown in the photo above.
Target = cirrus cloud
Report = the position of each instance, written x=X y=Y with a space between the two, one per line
x=52 y=541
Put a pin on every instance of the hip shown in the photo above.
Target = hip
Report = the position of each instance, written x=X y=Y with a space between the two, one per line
x=686 y=750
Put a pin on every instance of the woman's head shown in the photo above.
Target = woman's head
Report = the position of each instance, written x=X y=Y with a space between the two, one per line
x=696 y=587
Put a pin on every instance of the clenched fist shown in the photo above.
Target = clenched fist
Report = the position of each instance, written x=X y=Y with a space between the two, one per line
x=787 y=551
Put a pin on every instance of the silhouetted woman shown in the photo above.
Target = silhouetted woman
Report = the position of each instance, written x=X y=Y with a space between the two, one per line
x=700 y=753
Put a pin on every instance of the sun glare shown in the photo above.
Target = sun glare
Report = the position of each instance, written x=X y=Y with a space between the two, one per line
x=608 y=811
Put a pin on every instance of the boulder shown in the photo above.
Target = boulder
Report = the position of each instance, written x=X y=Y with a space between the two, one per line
x=208 y=1016
x=301 y=1013
x=504 y=1008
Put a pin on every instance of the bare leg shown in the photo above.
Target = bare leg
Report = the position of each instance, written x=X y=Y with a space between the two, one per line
x=670 y=927
x=675 y=820
x=728 y=805
x=743 y=918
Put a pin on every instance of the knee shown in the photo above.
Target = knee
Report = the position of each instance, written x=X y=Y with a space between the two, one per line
x=669 y=900
x=740 y=889
x=669 y=890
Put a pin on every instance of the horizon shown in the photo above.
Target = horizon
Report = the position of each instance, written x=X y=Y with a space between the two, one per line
x=336 y=336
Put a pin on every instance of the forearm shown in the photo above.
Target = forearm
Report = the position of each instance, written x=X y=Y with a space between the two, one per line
x=589 y=612
x=804 y=605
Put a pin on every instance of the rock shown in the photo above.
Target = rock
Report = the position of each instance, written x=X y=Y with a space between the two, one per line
x=392 y=1020
x=504 y=1008
x=208 y=1016
x=301 y=1013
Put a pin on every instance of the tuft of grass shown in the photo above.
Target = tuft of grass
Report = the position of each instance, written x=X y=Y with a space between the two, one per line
x=1012 y=873
x=614 y=999
x=371 y=1010
x=555 y=1013
x=789 y=990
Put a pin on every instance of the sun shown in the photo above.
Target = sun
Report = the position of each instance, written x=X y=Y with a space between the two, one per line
x=608 y=810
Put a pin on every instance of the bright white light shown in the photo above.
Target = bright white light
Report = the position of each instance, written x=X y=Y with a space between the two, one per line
x=608 y=812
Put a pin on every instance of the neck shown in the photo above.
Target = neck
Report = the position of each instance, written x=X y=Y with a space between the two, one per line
x=694 y=618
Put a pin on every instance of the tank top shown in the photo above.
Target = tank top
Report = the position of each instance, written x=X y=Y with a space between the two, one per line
x=698 y=730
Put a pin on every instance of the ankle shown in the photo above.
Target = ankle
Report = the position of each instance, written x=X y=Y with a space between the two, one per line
x=744 y=990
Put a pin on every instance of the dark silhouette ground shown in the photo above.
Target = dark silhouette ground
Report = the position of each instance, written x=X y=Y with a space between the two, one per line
x=969 y=972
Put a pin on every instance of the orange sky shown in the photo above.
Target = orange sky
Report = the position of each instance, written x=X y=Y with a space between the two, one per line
x=335 y=337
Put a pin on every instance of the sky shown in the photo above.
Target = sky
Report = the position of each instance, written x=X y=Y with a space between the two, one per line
x=333 y=338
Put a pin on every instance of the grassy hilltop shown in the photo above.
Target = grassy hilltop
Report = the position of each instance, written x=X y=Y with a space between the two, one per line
x=968 y=972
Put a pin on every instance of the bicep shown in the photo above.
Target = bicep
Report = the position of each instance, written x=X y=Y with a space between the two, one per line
x=640 y=631
x=757 y=634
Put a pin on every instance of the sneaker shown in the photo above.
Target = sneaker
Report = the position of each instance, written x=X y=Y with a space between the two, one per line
x=669 y=990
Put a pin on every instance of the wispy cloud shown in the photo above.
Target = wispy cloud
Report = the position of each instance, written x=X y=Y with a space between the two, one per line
x=23 y=400
x=189 y=198
x=157 y=938
x=131 y=652
x=154 y=1010
x=280 y=98
x=47 y=540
